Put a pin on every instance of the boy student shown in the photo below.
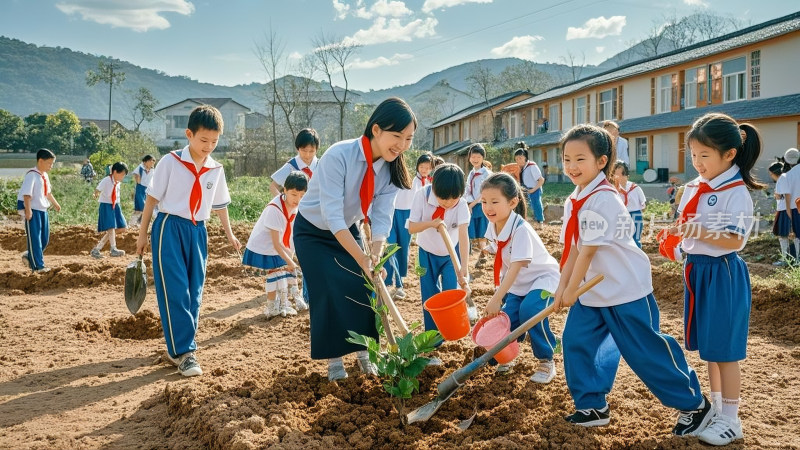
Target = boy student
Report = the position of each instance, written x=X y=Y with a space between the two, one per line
x=35 y=196
x=307 y=143
x=187 y=185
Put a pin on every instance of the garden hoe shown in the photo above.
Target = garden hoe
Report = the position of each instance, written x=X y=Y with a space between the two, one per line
x=447 y=387
x=454 y=258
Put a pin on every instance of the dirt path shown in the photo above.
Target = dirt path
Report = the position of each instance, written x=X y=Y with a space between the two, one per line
x=78 y=371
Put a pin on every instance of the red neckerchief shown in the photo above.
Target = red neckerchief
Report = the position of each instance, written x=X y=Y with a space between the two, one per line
x=690 y=210
x=307 y=171
x=367 y=190
x=287 y=232
x=44 y=180
x=571 y=233
x=498 y=257
x=424 y=179
x=625 y=193
x=196 y=197
x=471 y=179
x=113 y=190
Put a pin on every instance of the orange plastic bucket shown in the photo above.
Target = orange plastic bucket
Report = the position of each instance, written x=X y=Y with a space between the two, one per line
x=490 y=331
x=449 y=312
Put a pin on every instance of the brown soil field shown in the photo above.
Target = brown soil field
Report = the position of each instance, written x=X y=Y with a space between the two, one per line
x=77 y=370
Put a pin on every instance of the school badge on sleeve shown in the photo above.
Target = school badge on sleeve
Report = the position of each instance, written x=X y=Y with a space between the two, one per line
x=135 y=284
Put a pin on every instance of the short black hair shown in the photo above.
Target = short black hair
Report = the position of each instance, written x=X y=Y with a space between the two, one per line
x=776 y=168
x=306 y=136
x=448 y=181
x=44 y=153
x=205 y=116
x=147 y=158
x=119 y=167
x=426 y=157
x=296 y=180
x=625 y=169
x=521 y=152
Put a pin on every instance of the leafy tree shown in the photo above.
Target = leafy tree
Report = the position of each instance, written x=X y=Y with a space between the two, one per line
x=35 y=136
x=105 y=74
x=60 y=129
x=524 y=76
x=12 y=131
x=143 y=107
x=88 y=140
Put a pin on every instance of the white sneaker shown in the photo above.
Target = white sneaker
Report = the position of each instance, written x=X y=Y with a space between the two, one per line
x=336 y=370
x=503 y=368
x=472 y=312
x=96 y=253
x=117 y=252
x=722 y=430
x=25 y=255
x=545 y=372
x=273 y=308
x=42 y=270
x=286 y=308
x=299 y=303
x=399 y=294
x=187 y=364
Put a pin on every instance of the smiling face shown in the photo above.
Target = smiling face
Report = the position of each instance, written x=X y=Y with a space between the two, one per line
x=520 y=160
x=202 y=143
x=580 y=164
x=708 y=161
x=307 y=153
x=424 y=169
x=391 y=144
x=476 y=159
x=496 y=206
x=293 y=197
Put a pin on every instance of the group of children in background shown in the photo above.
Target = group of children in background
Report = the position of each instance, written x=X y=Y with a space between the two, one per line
x=618 y=318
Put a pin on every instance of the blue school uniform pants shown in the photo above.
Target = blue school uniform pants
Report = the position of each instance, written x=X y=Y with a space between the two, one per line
x=638 y=224
x=716 y=311
x=37 y=235
x=397 y=266
x=535 y=199
x=439 y=276
x=477 y=223
x=520 y=309
x=139 y=197
x=595 y=337
x=180 y=252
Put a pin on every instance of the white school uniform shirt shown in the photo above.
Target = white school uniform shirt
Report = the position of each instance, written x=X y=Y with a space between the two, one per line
x=782 y=188
x=418 y=183
x=604 y=222
x=793 y=182
x=541 y=270
x=422 y=209
x=404 y=198
x=333 y=202
x=530 y=175
x=33 y=186
x=280 y=175
x=172 y=185
x=271 y=218
x=636 y=198
x=105 y=186
x=622 y=150
x=730 y=210
x=144 y=175
x=475 y=179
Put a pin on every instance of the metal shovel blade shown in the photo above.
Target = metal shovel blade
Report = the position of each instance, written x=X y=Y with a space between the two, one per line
x=427 y=410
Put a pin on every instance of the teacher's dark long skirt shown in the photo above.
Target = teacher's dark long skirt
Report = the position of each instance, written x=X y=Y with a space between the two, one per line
x=338 y=299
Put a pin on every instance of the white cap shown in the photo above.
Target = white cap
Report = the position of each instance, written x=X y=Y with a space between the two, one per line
x=791 y=156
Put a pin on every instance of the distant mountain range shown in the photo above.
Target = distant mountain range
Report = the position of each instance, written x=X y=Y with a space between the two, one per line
x=44 y=79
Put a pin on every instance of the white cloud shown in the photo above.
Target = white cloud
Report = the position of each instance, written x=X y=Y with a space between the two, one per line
x=392 y=30
x=379 y=61
x=295 y=55
x=597 y=28
x=600 y=49
x=141 y=15
x=341 y=9
x=431 y=5
x=699 y=3
x=519 y=47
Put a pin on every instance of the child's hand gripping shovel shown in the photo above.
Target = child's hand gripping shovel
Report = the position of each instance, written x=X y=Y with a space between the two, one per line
x=447 y=387
x=442 y=229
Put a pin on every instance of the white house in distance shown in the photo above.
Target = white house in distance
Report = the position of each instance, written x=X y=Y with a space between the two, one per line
x=751 y=75
x=176 y=117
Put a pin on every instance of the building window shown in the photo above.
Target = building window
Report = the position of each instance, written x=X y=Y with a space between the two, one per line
x=733 y=76
x=606 y=108
x=179 y=122
x=755 y=74
x=512 y=125
x=555 y=118
x=664 y=93
x=641 y=149
x=702 y=86
x=690 y=89
x=580 y=110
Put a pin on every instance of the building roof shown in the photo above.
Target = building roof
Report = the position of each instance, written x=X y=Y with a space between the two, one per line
x=737 y=39
x=102 y=124
x=216 y=102
x=478 y=107
x=760 y=108
x=453 y=147
x=535 y=140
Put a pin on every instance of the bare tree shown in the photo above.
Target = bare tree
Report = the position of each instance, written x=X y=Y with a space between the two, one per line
x=575 y=65
x=142 y=104
x=651 y=45
x=332 y=56
x=708 y=25
x=524 y=76
x=482 y=83
x=105 y=74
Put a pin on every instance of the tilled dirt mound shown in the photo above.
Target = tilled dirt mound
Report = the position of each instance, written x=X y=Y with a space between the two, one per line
x=144 y=325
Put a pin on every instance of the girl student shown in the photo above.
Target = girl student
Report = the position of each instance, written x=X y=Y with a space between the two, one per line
x=782 y=224
x=441 y=202
x=110 y=218
x=531 y=180
x=352 y=177
x=397 y=266
x=522 y=268
x=620 y=316
x=716 y=217
x=270 y=246
x=142 y=176
x=632 y=196
x=477 y=225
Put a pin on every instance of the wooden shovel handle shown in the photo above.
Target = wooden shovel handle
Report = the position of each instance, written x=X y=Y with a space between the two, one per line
x=442 y=229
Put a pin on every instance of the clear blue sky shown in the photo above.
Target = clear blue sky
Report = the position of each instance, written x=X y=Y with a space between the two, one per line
x=214 y=41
